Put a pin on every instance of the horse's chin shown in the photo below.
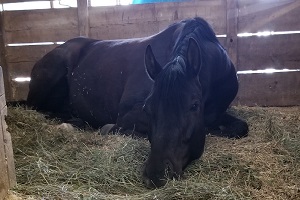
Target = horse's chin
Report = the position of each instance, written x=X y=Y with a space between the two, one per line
x=156 y=182
x=152 y=185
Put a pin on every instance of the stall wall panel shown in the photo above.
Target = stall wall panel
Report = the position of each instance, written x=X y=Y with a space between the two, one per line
x=268 y=15
x=278 y=52
x=277 y=89
x=7 y=166
x=49 y=25
x=147 y=19
x=27 y=53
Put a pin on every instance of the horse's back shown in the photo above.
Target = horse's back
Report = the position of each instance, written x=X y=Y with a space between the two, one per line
x=110 y=72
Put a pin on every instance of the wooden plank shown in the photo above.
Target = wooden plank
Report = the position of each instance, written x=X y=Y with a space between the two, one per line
x=2 y=106
x=4 y=178
x=19 y=91
x=3 y=63
x=2 y=90
x=162 y=14
x=232 y=41
x=268 y=15
x=40 y=25
x=214 y=11
x=83 y=17
x=123 y=31
x=4 y=181
x=121 y=14
x=38 y=19
x=278 y=89
x=40 y=35
x=21 y=69
x=27 y=53
x=278 y=52
x=8 y=150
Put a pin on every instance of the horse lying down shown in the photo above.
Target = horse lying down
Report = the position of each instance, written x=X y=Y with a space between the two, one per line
x=170 y=87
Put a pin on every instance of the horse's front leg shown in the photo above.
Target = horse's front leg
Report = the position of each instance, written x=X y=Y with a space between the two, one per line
x=228 y=126
x=134 y=123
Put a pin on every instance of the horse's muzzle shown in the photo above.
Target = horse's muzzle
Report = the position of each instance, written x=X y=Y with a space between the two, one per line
x=155 y=176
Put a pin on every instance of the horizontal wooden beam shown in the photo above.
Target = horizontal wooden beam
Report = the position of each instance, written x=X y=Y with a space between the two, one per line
x=277 y=89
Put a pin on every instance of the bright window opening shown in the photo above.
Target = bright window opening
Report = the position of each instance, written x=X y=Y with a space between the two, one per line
x=31 y=5
x=95 y=3
x=267 y=33
x=21 y=79
x=267 y=71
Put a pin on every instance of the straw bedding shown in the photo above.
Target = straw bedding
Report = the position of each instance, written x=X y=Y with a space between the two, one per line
x=55 y=163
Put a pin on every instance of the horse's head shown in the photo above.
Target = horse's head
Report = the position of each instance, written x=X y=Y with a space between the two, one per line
x=175 y=110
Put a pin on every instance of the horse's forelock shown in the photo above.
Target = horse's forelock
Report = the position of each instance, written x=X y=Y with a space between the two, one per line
x=170 y=86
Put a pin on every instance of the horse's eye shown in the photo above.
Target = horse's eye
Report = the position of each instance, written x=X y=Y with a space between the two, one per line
x=195 y=107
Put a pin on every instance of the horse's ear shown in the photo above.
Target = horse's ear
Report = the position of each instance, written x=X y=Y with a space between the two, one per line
x=193 y=58
x=152 y=66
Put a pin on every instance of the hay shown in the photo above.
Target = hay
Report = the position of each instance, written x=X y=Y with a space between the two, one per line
x=53 y=163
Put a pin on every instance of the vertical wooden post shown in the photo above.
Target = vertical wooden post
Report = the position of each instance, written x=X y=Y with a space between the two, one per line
x=83 y=17
x=7 y=166
x=3 y=63
x=232 y=31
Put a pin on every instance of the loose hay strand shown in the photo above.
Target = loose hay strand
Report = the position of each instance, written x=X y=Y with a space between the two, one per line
x=53 y=163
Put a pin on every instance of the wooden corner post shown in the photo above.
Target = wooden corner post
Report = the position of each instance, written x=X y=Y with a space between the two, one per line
x=83 y=17
x=232 y=31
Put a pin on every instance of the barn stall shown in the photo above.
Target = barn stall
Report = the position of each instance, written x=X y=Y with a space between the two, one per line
x=261 y=37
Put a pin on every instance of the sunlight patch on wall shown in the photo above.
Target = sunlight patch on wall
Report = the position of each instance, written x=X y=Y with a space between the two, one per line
x=221 y=36
x=95 y=3
x=33 y=44
x=267 y=33
x=267 y=71
x=37 y=5
x=31 y=5
x=21 y=79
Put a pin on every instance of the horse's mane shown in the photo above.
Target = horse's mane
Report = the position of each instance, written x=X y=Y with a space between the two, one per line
x=198 y=29
x=172 y=80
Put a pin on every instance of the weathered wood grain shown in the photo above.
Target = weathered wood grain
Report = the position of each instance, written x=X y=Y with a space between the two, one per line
x=83 y=18
x=213 y=11
x=4 y=181
x=8 y=147
x=19 y=91
x=231 y=40
x=277 y=89
x=27 y=53
x=21 y=69
x=268 y=15
x=40 y=25
x=7 y=167
x=40 y=35
x=279 y=52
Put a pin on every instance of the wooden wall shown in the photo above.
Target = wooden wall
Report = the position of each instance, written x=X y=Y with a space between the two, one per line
x=7 y=166
x=228 y=17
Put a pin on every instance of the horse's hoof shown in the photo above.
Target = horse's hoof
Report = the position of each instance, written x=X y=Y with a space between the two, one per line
x=66 y=127
x=106 y=129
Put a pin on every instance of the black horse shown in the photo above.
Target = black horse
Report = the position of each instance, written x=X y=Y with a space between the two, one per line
x=121 y=82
